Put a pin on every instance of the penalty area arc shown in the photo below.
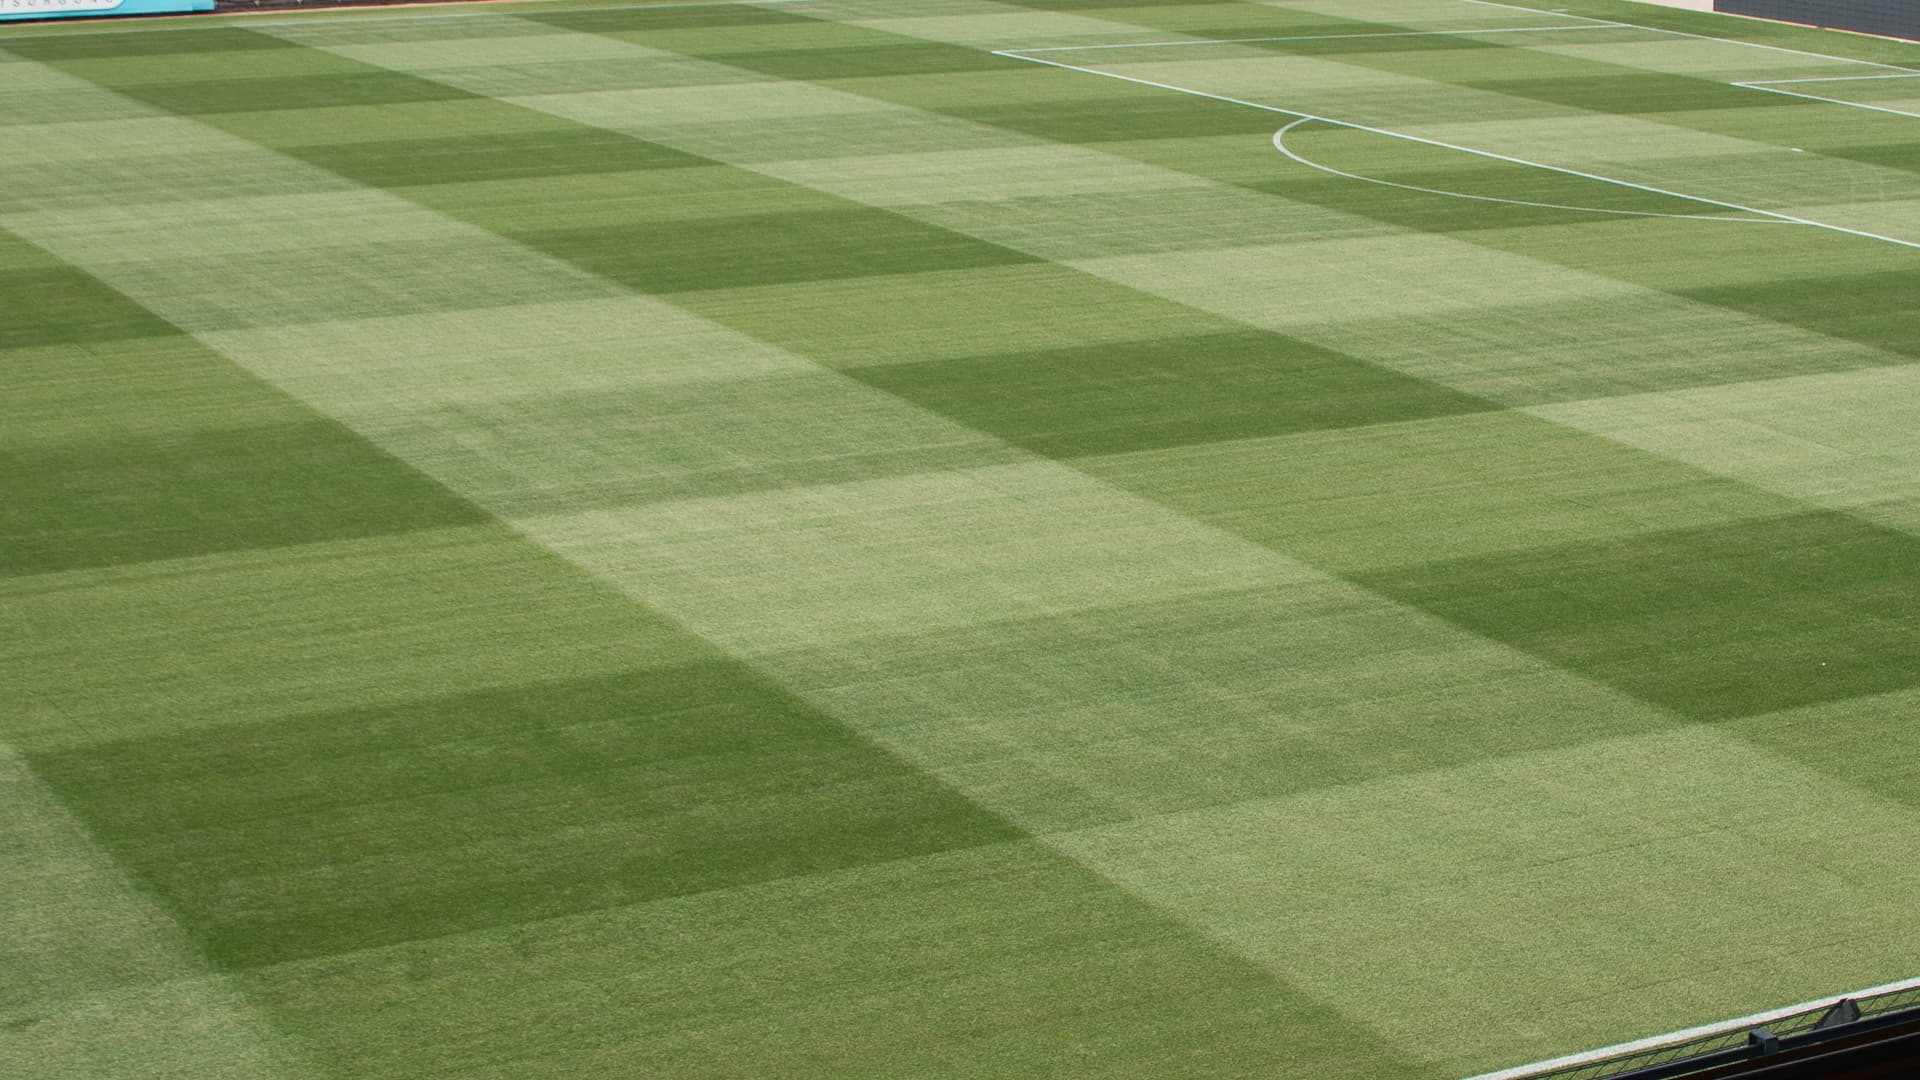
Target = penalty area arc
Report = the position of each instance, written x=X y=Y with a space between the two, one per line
x=1280 y=144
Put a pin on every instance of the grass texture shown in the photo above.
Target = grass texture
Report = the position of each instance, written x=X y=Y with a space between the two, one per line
x=721 y=540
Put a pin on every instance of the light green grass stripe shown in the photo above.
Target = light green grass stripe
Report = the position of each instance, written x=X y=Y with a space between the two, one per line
x=1685 y=876
x=1846 y=441
x=100 y=982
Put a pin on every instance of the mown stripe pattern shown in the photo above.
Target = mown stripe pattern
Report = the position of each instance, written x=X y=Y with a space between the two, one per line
x=999 y=570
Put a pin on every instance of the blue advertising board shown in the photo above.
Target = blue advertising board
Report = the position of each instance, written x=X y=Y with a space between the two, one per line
x=1889 y=18
x=62 y=9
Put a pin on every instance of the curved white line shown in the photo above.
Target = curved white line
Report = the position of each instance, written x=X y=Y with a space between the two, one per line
x=1280 y=144
x=1015 y=54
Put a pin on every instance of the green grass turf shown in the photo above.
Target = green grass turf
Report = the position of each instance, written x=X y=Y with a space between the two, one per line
x=739 y=540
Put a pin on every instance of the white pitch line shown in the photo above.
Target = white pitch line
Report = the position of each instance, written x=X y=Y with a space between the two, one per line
x=1833 y=100
x=1720 y=1028
x=1016 y=55
x=367 y=14
x=1830 y=78
x=1700 y=37
x=1316 y=37
x=1767 y=85
x=1279 y=143
x=311 y=15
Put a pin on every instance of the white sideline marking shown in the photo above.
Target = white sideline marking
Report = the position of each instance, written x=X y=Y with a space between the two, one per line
x=1722 y=1027
x=1766 y=85
x=1829 y=78
x=1319 y=37
x=1834 y=100
x=1279 y=143
x=1701 y=37
x=1776 y=215
x=305 y=15
x=207 y=20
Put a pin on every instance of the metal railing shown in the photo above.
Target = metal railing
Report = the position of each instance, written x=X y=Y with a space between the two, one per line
x=1732 y=1042
x=1745 y=1040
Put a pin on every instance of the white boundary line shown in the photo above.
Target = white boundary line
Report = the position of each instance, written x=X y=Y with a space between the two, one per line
x=1279 y=143
x=1720 y=1028
x=363 y=13
x=1700 y=37
x=1765 y=85
x=1834 y=100
x=1014 y=54
x=1828 y=78
x=1318 y=37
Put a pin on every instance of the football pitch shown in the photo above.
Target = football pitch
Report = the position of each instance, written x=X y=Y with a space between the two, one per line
x=1308 y=539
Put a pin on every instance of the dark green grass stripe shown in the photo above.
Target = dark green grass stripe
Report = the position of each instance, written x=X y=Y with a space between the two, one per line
x=267 y=94
x=1174 y=392
x=640 y=17
x=281 y=476
x=1137 y=113
x=316 y=835
x=1182 y=12
x=115 y=501
x=196 y=44
x=1349 y=42
x=55 y=304
x=1872 y=307
x=1712 y=623
x=1090 y=8
x=768 y=249
x=499 y=156
x=1627 y=91
x=902 y=57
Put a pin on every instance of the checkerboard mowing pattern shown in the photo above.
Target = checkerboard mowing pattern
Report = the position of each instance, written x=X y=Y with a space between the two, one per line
x=1319 y=538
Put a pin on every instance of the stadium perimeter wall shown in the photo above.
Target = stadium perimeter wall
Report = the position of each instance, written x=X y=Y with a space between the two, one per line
x=1888 y=18
x=17 y=10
